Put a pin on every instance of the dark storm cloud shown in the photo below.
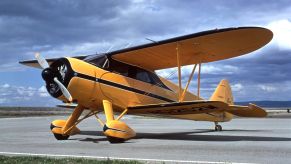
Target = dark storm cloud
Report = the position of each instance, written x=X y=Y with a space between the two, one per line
x=64 y=27
x=50 y=22
x=267 y=67
x=264 y=76
x=28 y=26
x=269 y=63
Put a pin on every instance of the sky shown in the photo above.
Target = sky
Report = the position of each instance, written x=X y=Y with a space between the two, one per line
x=76 y=27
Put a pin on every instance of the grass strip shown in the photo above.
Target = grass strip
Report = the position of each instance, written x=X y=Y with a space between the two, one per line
x=50 y=160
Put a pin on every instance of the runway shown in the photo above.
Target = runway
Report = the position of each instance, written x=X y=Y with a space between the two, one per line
x=242 y=141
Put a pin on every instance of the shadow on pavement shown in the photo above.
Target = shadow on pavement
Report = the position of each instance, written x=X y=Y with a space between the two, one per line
x=196 y=135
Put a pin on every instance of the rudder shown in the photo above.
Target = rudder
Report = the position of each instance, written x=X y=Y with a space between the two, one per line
x=223 y=93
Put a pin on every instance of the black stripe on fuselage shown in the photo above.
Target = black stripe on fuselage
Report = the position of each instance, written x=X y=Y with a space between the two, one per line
x=173 y=105
x=116 y=85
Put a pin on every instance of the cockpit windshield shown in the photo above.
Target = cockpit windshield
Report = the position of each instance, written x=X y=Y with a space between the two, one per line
x=96 y=60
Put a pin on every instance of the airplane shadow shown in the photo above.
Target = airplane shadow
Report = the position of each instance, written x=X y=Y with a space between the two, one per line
x=196 y=135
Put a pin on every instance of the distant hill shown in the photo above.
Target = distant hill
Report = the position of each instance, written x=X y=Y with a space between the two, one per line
x=268 y=104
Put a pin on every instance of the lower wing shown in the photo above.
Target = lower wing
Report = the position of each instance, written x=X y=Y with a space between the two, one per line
x=197 y=107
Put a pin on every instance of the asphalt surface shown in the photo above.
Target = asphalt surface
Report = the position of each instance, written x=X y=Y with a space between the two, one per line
x=243 y=140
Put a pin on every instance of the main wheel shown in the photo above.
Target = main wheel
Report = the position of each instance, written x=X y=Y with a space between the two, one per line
x=115 y=140
x=59 y=136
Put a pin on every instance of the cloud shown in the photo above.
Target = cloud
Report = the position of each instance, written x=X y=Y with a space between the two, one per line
x=43 y=92
x=237 y=87
x=23 y=91
x=5 y=86
x=267 y=88
x=11 y=95
x=282 y=33
x=70 y=28
x=3 y=100
x=11 y=67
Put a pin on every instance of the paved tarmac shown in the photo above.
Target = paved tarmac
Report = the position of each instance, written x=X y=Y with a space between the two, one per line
x=242 y=141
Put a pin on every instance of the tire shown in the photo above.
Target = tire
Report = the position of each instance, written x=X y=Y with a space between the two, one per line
x=59 y=136
x=115 y=140
x=218 y=128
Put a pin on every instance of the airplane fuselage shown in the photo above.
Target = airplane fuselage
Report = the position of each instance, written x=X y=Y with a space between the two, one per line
x=125 y=86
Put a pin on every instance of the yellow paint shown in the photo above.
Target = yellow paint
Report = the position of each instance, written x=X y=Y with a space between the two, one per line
x=203 y=49
x=122 y=114
x=119 y=129
x=85 y=90
x=198 y=83
x=251 y=111
x=99 y=120
x=179 y=72
x=223 y=93
x=72 y=119
x=59 y=123
x=93 y=95
x=188 y=83
x=107 y=105
x=97 y=96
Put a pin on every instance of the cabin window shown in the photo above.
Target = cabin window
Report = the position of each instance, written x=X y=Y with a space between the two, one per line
x=144 y=76
x=123 y=69
x=99 y=61
x=118 y=67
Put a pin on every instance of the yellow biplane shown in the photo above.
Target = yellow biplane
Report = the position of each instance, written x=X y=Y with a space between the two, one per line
x=125 y=82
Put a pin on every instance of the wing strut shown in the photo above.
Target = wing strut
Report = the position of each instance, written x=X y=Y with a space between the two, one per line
x=182 y=94
x=188 y=83
x=198 y=87
x=179 y=72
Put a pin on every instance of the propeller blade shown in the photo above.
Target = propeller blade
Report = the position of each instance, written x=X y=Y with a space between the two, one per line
x=64 y=90
x=46 y=75
x=41 y=61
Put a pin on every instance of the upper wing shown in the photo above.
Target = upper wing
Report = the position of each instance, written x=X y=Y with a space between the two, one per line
x=198 y=107
x=195 y=48
x=34 y=63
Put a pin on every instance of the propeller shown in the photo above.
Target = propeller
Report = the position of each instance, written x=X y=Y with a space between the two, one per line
x=41 y=61
x=49 y=75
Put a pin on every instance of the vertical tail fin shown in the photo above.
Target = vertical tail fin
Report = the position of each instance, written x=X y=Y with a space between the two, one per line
x=223 y=93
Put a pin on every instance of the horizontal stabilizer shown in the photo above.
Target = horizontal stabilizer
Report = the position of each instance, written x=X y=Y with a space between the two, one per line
x=247 y=111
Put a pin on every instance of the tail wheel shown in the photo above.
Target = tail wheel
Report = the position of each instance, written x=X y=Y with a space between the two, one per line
x=59 y=136
x=218 y=128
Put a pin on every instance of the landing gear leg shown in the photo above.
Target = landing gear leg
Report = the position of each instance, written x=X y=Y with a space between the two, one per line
x=217 y=127
x=62 y=129
x=116 y=131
